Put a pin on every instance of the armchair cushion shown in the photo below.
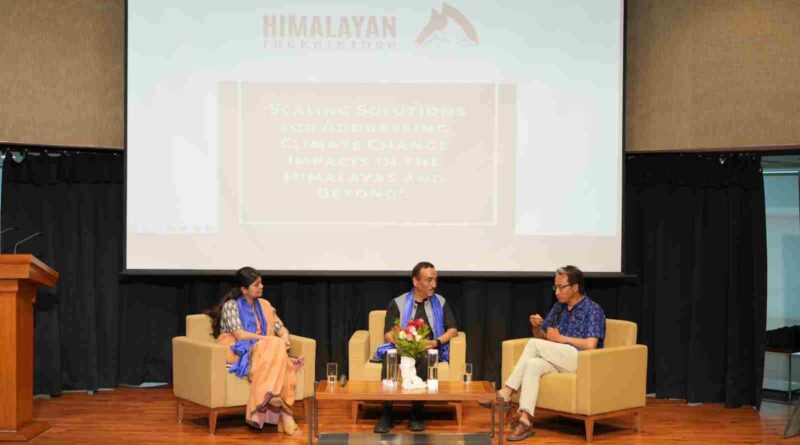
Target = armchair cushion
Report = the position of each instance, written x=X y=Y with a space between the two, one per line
x=198 y=372
x=358 y=356
x=620 y=333
x=611 y=379
x=558 y=392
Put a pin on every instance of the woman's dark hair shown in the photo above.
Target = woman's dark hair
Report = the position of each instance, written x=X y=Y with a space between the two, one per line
x=244 y=277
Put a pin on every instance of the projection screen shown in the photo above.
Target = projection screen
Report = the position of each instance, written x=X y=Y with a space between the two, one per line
x=336 y=136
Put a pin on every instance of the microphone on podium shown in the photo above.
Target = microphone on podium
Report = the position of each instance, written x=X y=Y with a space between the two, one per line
x=24 y=240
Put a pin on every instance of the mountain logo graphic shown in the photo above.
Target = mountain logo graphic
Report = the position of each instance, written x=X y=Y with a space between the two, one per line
x=439 y=21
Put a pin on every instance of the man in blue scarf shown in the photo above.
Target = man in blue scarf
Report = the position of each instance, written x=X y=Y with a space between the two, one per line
x=420 y=302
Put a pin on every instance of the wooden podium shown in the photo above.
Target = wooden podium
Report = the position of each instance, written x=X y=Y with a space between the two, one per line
x=19 y=277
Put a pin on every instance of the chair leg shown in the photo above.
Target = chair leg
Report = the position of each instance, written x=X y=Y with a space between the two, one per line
x=180 y=411
x=212 y=421
x=354 y=411
x=638 y=421
x=589 y=422
x=307 y=410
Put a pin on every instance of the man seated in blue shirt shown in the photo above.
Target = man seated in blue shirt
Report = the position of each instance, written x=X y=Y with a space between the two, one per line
x=575 y=323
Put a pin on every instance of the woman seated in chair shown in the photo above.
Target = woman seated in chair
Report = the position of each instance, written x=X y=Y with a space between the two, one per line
x=258 y=345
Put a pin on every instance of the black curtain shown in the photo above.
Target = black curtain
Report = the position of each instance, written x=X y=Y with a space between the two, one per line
x=694 y=239
x=75 y=201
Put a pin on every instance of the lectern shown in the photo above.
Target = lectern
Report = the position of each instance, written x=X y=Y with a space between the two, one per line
x=19 y=277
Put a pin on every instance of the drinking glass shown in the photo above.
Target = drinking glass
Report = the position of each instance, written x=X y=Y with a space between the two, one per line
x=332 y=371
x=467 y=372
x=433 y=367
x=391 y=367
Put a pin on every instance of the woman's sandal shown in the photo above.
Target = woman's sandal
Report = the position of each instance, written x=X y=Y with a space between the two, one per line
x=289 y=430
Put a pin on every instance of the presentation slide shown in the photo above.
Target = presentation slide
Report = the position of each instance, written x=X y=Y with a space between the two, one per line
x=337 y=136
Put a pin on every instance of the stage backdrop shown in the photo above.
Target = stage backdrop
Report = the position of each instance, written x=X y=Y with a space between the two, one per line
x=694 y=238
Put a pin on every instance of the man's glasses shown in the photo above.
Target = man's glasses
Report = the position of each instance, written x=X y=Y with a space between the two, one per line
x=557 y=288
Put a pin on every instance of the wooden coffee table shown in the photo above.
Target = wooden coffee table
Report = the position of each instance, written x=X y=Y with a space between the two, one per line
x=377 y=392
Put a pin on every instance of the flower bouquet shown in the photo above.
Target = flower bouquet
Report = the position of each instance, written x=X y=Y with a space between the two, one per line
x=411 y=342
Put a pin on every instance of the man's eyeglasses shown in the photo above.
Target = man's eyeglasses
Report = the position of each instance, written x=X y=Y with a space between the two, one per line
x=557 y=288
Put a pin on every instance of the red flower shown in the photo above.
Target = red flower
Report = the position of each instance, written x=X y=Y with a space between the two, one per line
x=419 y=323
x=397 y=328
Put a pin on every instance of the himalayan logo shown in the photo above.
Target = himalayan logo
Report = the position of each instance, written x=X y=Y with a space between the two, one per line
x=330 y=32
x=439 y=21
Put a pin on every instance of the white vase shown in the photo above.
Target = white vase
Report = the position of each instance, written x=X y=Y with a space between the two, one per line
x=408 y=371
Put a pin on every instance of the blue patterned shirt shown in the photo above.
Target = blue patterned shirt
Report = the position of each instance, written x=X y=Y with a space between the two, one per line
x=585 y=320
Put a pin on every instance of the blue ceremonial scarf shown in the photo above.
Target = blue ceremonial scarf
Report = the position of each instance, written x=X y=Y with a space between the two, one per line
x=242 y=348
x=437 y=326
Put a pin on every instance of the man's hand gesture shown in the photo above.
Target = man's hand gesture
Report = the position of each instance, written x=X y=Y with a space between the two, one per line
x=554 y=335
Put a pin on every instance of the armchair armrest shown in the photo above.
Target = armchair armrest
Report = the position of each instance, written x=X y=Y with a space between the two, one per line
x=198 y=371
x=512 y=351
x=458 y=356
x=611 y=379
x=304 y=347
x=358 y=355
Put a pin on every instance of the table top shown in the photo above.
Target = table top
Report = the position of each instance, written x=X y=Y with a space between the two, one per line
x=369 y=391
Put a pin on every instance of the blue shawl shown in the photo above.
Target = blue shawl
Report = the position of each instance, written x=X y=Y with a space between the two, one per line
x=437 y=326
x=242 y=348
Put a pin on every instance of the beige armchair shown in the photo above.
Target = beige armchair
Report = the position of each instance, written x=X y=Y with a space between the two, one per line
x=609 y=382
x=201 y=380
x=364 y=343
